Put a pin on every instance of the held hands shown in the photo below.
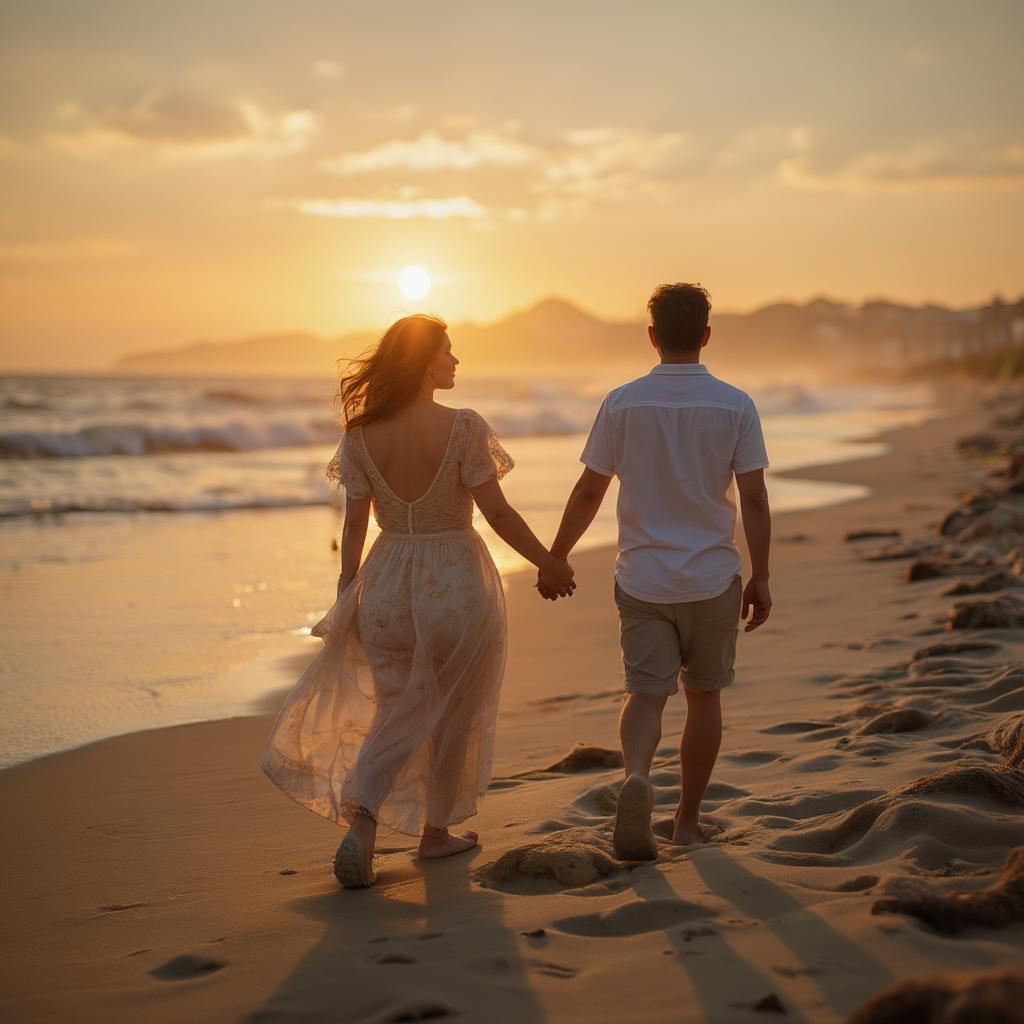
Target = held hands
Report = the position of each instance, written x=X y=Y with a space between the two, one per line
x=757 y=599
x=555 y=579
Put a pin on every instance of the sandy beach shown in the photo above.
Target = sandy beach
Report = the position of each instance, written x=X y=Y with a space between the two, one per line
x=863 y=774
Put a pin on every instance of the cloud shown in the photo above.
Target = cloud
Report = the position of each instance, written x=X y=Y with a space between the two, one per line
x=432 y=152
x=603 y=165
x=179 y=123
x=402 y=208
x=593 y=154
x=529 y=177
x=327 y=69
x=949 y=164
x=64 y=253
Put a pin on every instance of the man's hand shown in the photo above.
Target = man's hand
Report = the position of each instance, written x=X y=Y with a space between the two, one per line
x=756 y=596
x=555 y=579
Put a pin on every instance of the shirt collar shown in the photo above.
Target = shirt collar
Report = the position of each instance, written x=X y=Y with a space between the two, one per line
x=680 y=368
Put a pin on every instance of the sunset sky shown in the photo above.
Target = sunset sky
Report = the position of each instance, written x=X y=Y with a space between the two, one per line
x=175 y=171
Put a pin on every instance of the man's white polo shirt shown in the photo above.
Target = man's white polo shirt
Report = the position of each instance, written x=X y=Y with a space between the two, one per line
x=674 y=438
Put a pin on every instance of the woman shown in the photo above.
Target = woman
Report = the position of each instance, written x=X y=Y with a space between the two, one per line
x=393 y=722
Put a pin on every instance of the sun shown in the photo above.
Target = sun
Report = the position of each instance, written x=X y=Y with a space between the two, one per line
x=414 y=282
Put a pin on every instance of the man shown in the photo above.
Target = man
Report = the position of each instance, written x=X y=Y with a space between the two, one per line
x=675 y=438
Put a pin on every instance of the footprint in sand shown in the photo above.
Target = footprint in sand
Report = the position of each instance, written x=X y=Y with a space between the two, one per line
x=859 y=883
x=723 y=791
x=504 y=784
x=115 y=908
x=801 y=804
x=395 y=958
x=420 y=1011
x=957 y=668
x=186 y=967
x=954 y=647
x=635 y=918
x=888 y=823
x=816 y=763
x=902 y=720
x=552 y=970
x=756 y=757
x=792 y=728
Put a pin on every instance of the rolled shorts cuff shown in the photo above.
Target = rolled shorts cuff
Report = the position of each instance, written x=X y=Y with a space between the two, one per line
x=666 y=687
x=708 y=685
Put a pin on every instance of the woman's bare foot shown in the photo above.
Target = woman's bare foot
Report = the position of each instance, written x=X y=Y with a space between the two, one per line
x=353 y=862
x=441 y=843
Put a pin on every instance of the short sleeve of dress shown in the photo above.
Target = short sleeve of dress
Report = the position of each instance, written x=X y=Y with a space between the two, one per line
x=346 y=468
x=483 y=456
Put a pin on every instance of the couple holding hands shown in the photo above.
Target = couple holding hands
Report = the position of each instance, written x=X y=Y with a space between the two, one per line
x=393 y=722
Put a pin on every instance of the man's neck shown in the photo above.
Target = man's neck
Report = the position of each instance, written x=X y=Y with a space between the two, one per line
x=679 y=359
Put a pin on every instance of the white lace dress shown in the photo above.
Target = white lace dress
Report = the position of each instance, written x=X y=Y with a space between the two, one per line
x=396 y=715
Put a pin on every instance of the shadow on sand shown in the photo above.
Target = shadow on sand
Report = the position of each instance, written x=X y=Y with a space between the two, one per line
x=420 y=945
x=842 y=972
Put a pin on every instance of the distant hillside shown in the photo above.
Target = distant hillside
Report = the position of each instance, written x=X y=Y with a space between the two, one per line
x=821 y=337
x=293 y=354
x=551 y=331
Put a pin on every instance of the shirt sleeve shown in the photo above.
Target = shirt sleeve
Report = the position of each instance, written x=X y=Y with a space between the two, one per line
x=483 y=455
x=599 y=451
x=750 y=453
x=346 y=468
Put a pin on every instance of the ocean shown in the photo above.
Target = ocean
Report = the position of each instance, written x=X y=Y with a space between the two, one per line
x=166 y=544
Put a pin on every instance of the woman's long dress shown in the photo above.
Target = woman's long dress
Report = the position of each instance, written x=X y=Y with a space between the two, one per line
x=395 y=716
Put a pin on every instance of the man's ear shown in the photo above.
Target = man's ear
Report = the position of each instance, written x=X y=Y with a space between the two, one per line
x=707 y=335
x=653 y=336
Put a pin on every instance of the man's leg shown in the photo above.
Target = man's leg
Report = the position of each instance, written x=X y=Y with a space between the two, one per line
x=710 y=656
x=698 y=751
x=640 y=731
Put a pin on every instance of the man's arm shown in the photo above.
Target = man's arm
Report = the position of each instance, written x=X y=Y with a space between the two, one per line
x=580 y=508
x=757 y=527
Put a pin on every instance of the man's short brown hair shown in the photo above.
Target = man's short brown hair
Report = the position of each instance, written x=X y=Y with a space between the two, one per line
x=679 y=313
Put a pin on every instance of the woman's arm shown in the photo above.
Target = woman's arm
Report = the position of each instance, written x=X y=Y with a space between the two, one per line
x=353 y=537
x=510 y=526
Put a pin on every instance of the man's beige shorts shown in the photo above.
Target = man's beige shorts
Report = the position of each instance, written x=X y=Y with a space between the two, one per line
x=692 y=640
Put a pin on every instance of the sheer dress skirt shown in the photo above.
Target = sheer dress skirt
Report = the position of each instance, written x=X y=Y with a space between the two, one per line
x=396 y=715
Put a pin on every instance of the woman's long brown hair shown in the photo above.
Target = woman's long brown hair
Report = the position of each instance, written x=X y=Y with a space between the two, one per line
x=388 y=378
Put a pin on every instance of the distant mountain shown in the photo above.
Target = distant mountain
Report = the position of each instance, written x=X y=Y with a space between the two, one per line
x=551 y=331
x=291 y=354
x=822 y=336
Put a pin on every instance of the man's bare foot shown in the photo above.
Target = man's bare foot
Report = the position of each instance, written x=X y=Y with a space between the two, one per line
x=687 y=835
x=632 y=837
x=437 y=843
